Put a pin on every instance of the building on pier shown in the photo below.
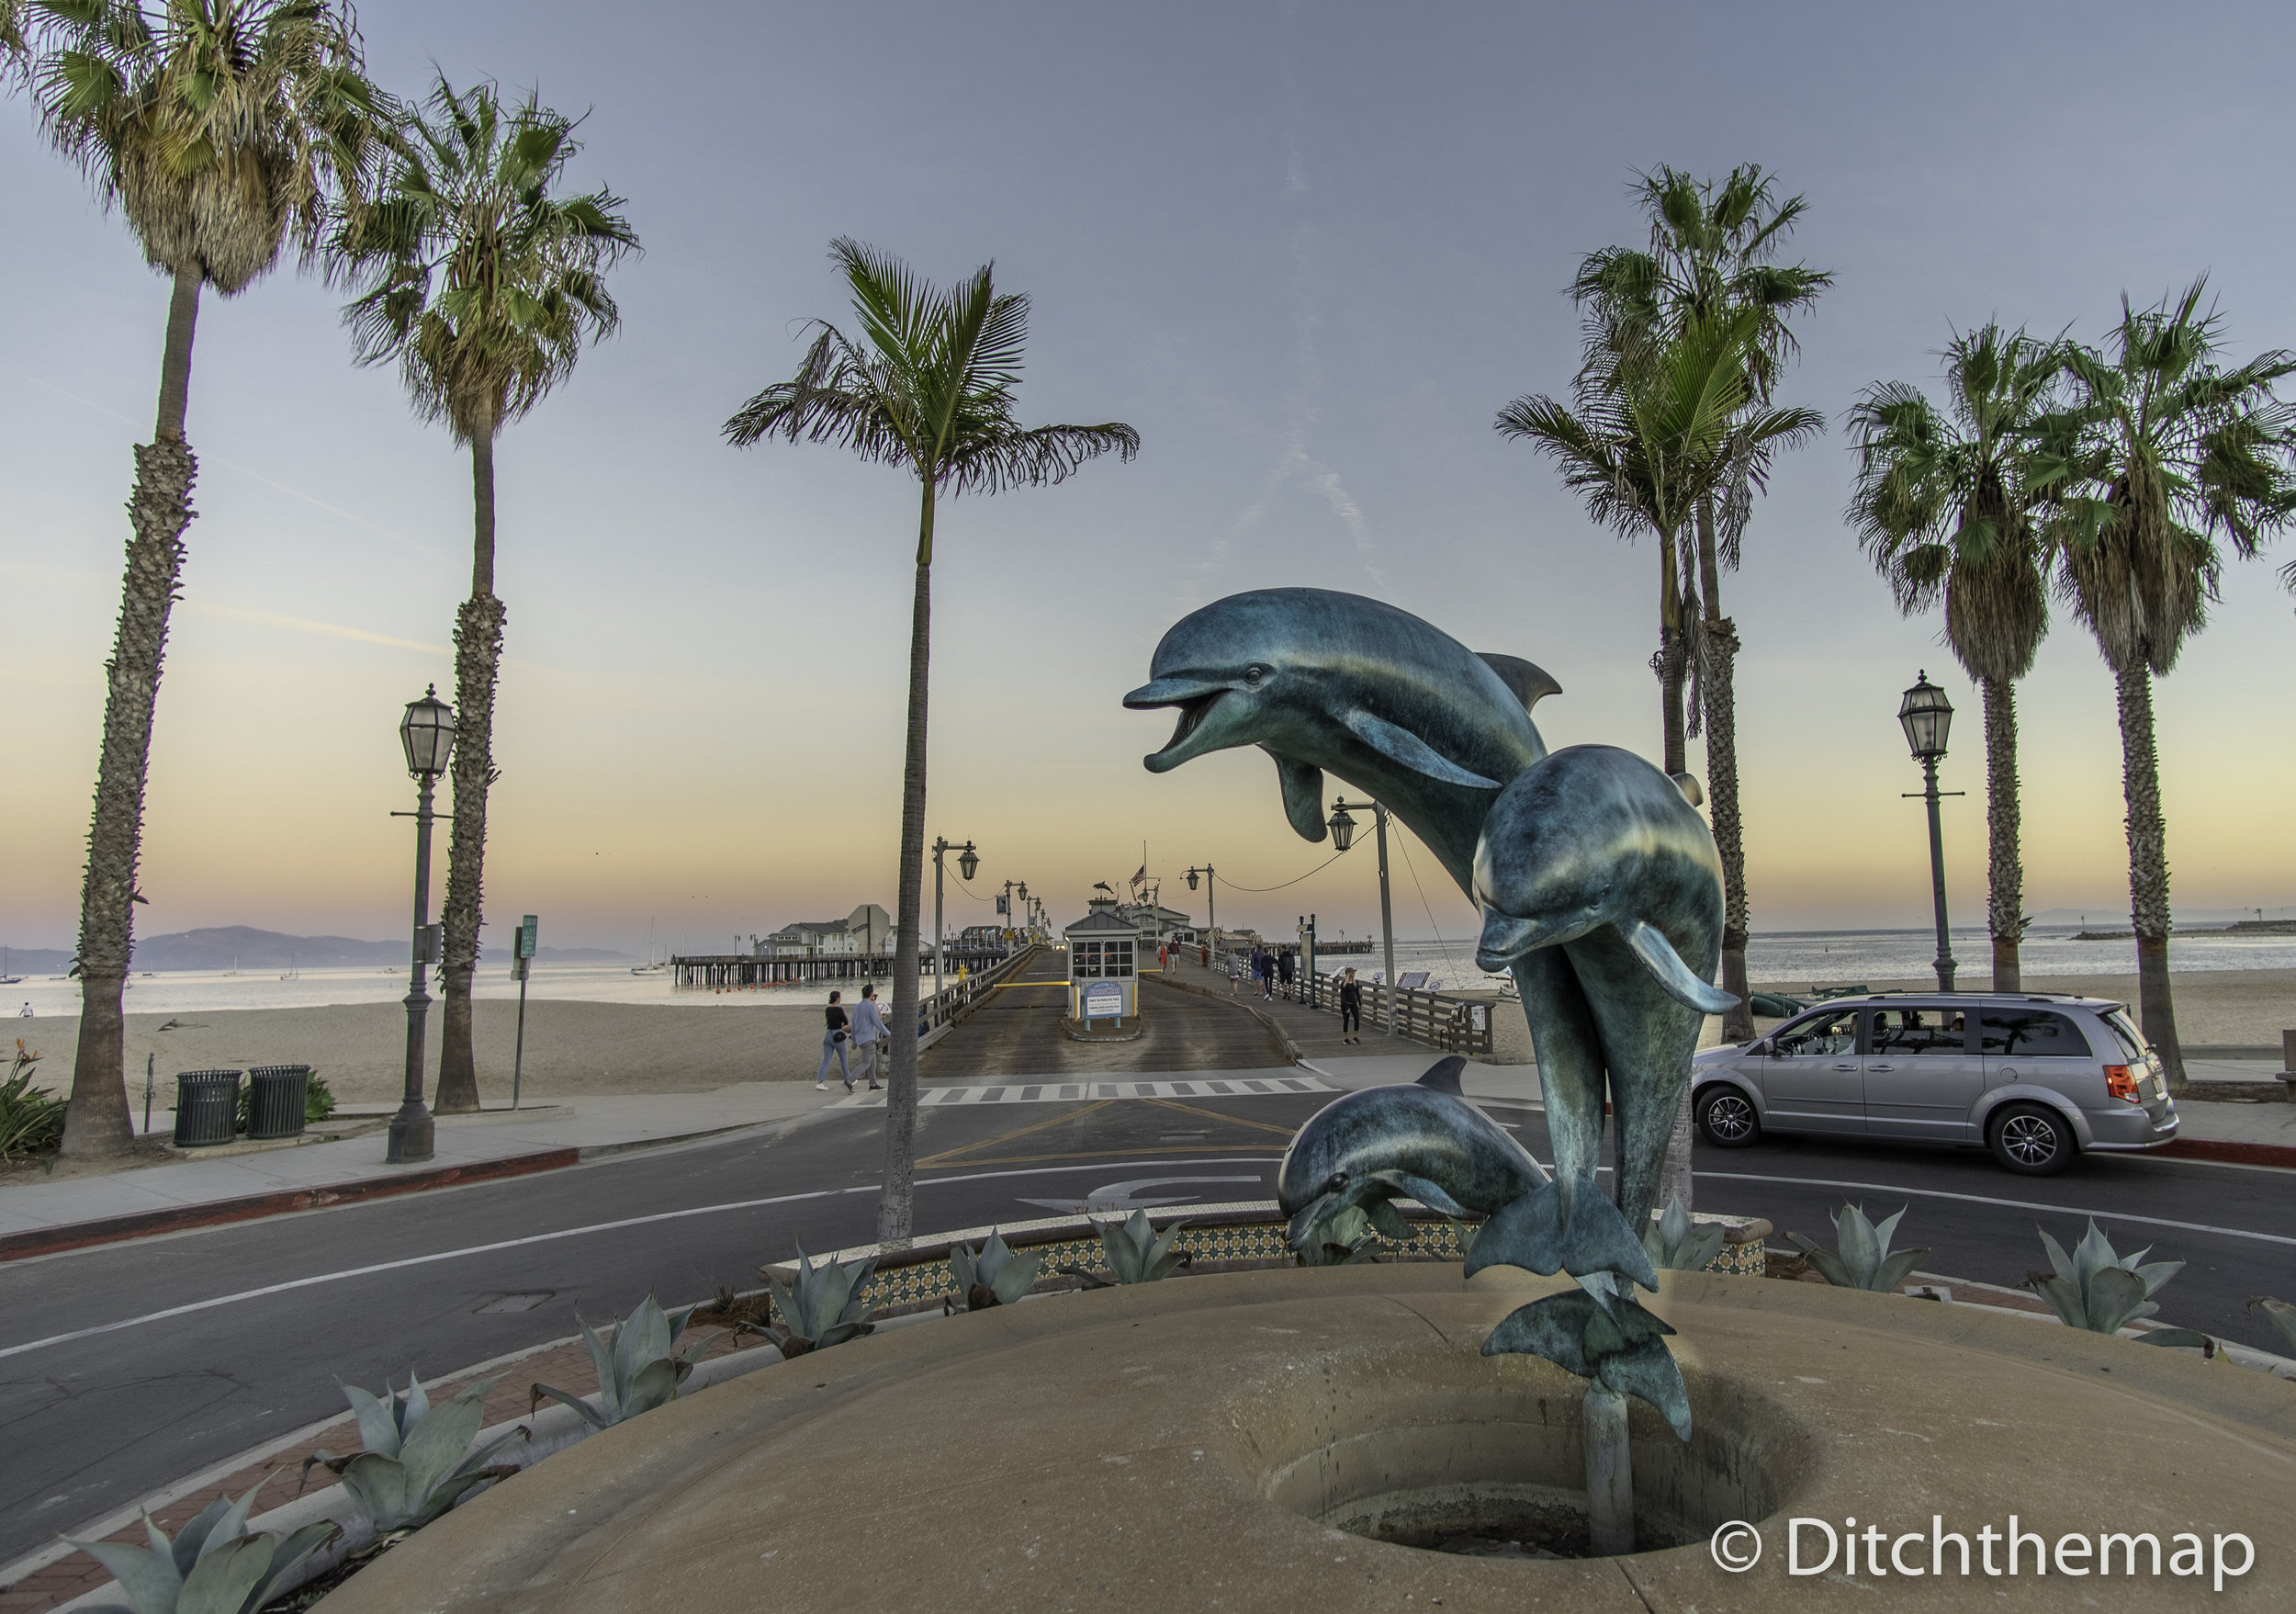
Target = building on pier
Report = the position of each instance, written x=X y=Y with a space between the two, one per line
x=866 y=932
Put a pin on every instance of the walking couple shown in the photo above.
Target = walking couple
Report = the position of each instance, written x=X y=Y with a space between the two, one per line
x=868 y=1034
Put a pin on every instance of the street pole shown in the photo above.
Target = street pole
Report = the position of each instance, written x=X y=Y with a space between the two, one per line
x=525 y=951
x=941 y=846
x=1937 y=878
x=1387 y=913
x=411 y=1129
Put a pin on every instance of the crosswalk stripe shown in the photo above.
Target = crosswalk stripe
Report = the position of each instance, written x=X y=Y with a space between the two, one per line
x=1071 y=1092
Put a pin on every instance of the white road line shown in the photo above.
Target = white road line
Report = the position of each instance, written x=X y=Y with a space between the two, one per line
x=1979 y=1199
x=480 y=1249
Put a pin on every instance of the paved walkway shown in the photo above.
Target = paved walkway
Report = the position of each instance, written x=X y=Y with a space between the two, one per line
x=1018 y=1032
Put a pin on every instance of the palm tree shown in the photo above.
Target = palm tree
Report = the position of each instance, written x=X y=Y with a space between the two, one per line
x=1658 y=425
x=221 y=128
x=1710 y=252
x=2165 y=448
x=482 y=284
x=928 y=388
x=1945 y=504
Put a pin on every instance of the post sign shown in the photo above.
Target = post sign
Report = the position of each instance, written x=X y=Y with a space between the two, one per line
x=1004 y=905
x=526 y=928
x=1104 y=1001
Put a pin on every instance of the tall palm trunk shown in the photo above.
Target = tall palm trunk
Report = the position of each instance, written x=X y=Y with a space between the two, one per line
x=897 y=1199
x=2148 y=868
x=478 y=663
x=2005 y=873
x=95 y=1121
x=1673 y=659
x=1716 y=684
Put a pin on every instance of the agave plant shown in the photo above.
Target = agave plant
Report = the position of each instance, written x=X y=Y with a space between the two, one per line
x=31 y=1119
x=1862 y=1258
x=2103 y=1292
x=2281 y=1316
x=636 y=1371
x=418 y=1461
x=1135 y=1253
x=212 y=1566
x=1352 y=1235
x=1679 y=1244
x=823 y=1308
x=994 y=1277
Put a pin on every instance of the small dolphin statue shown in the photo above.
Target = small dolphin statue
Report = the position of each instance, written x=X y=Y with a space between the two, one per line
x=1424 y=1141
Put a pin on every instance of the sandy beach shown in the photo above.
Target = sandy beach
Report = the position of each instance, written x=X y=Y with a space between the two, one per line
x=572 y=1048
x=576 y=1048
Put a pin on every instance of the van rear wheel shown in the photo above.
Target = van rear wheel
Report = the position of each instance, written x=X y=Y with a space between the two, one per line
x=2031 y=1140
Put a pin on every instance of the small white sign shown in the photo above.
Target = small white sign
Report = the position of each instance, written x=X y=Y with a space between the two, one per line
x=1104 y=1001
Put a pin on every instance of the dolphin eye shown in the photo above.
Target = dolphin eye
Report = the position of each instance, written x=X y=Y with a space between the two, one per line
x=1339 y=1181
x=1253 y=674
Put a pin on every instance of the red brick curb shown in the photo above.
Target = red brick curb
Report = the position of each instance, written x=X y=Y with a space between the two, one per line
x=15 y=1247
x=2238 y=1154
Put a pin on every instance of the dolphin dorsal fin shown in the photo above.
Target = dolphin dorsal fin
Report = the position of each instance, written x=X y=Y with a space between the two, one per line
x=1528 y=683
x=1688 y=784
x=1443 y=1076
x=1400 y=745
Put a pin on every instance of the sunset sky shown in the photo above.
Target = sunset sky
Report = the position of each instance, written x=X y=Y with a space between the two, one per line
x=1308 y=250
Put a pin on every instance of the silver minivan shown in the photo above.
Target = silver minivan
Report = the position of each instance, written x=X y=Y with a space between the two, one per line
x=2035 y=1078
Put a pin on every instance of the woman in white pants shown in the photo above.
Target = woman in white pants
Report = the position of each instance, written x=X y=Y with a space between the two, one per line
x=869 y=1035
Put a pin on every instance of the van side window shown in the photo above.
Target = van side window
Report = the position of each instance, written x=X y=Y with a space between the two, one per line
x=2018 y=1033
x=1901 y=1032
x=1835 y=1033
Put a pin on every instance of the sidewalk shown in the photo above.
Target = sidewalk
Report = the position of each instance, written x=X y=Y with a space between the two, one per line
x=38 y=1218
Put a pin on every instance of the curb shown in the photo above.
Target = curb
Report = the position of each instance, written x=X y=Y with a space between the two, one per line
x=2224 y=1149
x=16 y=1246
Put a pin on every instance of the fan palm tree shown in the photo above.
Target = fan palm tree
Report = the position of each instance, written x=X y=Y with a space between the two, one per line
x=482 y=284
x=2166 y=449
x=928 y=388
x=1655 y=428
x=221 y=129
x=1945 y=504
x=1710 y=252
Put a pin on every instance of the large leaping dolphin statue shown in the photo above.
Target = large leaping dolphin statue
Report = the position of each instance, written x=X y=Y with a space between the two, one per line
x=1323 y=681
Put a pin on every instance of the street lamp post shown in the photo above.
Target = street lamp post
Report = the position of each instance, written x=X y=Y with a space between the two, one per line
x=968 y=859
x=1211 y=901
x=1927 y=718
x=427 y=734
x=1343 y=837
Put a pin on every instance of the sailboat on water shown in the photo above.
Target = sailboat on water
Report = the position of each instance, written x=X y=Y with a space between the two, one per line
x=652 y=966
x=8 y=977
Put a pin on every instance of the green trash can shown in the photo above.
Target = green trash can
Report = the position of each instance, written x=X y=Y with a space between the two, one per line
x=206 y=1108
x=276 y=1099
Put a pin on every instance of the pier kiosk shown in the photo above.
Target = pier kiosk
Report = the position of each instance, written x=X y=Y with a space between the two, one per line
x=1103 y=982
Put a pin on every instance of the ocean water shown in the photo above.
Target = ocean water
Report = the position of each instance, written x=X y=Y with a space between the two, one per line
x=1790 y=959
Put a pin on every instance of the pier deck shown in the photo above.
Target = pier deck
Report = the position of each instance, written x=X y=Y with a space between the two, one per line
x=1017 y=1033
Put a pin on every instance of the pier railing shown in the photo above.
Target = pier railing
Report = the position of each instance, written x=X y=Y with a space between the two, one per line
x=942 y=1010
x=1456 y=1025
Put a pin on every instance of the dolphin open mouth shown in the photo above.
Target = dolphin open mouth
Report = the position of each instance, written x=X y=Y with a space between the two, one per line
x=1195 y=698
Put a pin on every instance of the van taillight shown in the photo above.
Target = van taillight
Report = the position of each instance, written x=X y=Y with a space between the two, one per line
x=2120 y=1083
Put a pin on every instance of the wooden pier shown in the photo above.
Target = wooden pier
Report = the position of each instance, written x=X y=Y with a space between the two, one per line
x=737 y=971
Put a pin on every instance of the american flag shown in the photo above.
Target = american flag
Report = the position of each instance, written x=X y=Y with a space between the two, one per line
x=1141 y=878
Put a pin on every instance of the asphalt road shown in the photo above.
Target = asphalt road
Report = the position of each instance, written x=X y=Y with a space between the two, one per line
x=126 y=1366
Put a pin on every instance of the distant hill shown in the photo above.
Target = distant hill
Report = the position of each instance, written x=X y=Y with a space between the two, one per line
x=244 y=947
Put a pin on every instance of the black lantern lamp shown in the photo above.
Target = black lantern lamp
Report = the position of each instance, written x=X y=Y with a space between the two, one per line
x=1927 y=718
x=427 y=732
x=968 y=861
x=1343 y=829
x=1191 y=879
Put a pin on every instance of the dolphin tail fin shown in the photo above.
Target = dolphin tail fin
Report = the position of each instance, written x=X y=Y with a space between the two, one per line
x=1303 y=797
x=1527 y=683
x=1616 y=1343
x=1667 y=967
x=1565 y=1225
x=1443 y=1076
x=1693 y=792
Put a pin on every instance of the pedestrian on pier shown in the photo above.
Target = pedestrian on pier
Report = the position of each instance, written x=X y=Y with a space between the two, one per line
x=869 y=1036
x=1236 y=974
x=1264 y=966
x=1350 y=1009
x=1284 y=971
x=833 y=1048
